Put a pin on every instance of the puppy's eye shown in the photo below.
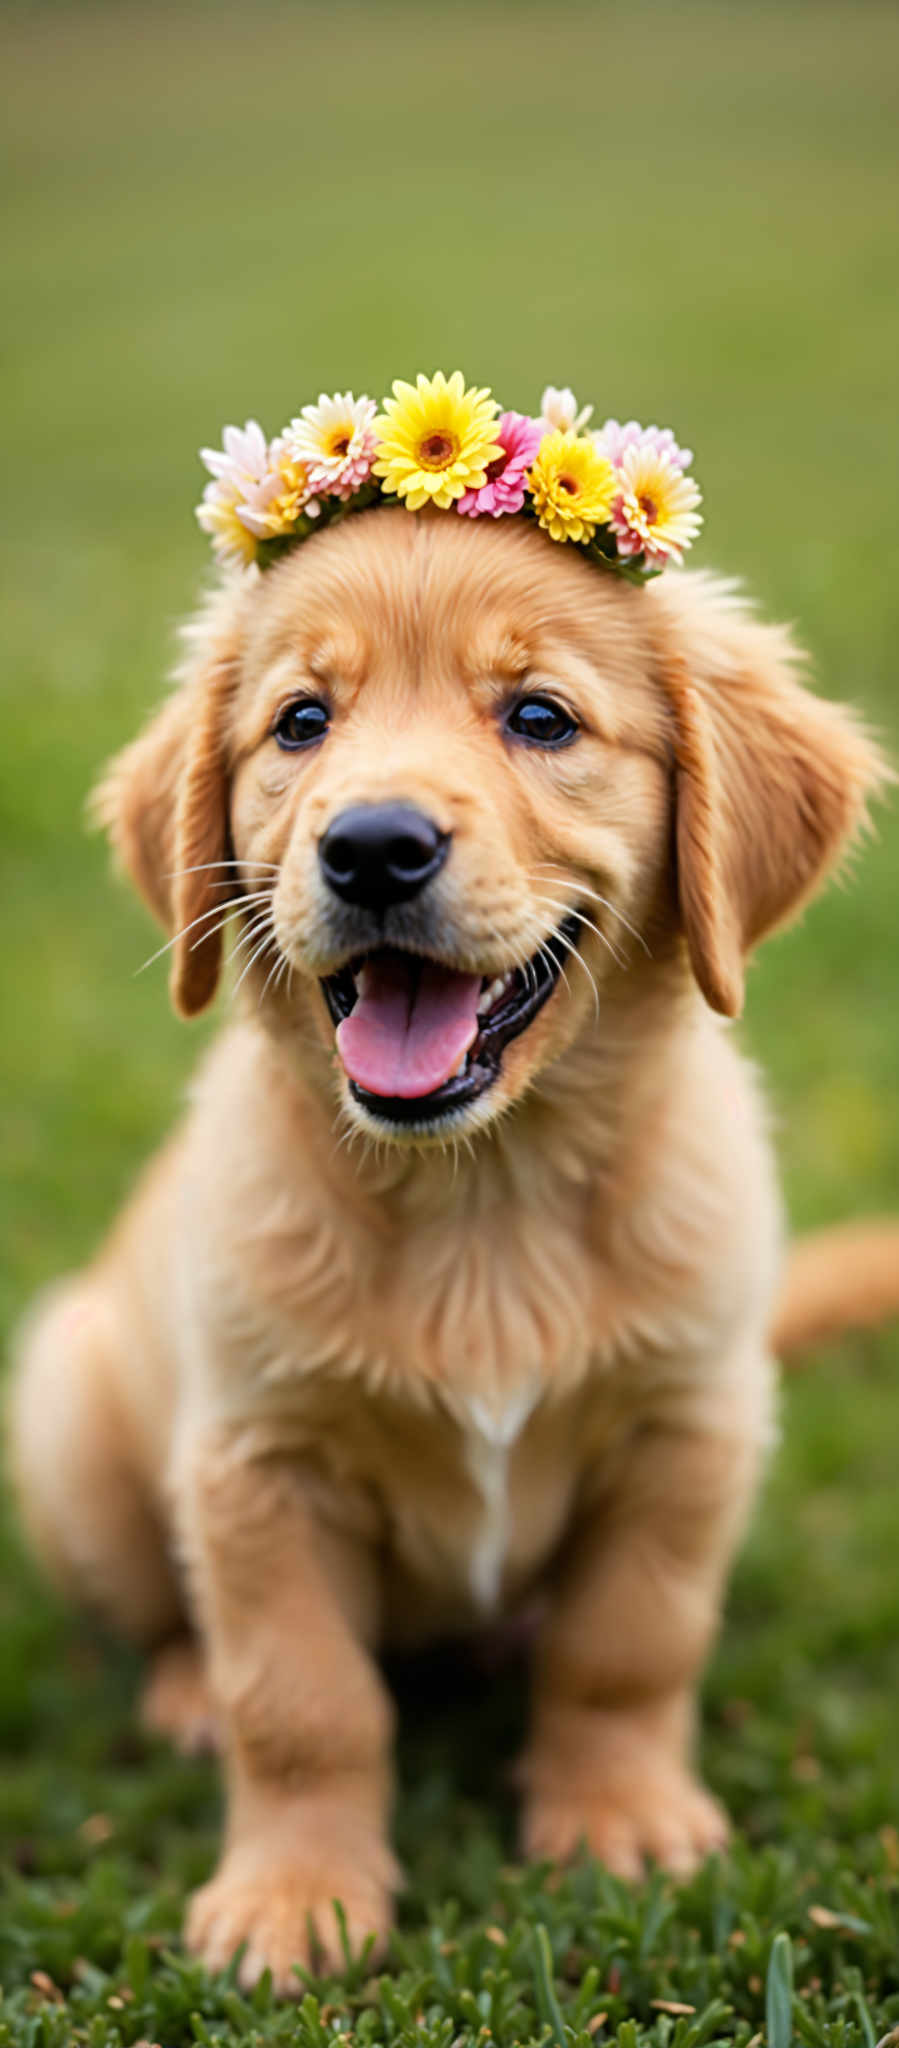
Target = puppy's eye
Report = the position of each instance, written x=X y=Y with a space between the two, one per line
x=542 y=721
x=301 y=723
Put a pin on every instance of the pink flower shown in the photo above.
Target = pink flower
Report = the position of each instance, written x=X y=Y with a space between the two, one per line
x=519 y=437
x=612 y=439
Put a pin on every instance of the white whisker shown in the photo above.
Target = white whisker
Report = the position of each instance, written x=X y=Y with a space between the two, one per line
x=585 y=889
x=274 y=973
x=250 y=933
x=551 y=903
x=573 y=954
x=286 y=975
x=232 y=910
x=215 y=910
x=555 y=966
x=524 y=966
x=267 y=941
x=205 y=866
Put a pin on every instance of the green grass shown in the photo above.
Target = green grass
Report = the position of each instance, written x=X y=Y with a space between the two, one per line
x=688 y=212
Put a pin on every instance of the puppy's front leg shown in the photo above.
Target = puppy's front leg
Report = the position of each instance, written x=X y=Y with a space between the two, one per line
x=287 y=1604
x=634 y=1615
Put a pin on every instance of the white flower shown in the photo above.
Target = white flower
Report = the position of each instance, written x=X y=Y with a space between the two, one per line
x=257 y=493
x=559 y=411
x=336 y=442
x=242 y=458
x=273 y=505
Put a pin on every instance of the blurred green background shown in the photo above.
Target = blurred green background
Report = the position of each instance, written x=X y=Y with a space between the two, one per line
x=689 y=214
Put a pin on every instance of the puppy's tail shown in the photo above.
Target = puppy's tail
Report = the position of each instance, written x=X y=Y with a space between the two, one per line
x=844 y=1278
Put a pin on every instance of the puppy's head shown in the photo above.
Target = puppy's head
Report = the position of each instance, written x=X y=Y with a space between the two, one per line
x=452 y=781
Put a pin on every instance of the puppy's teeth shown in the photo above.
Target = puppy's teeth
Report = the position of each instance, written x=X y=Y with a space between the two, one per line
x=492 y=993
x=459 y=1067
x=362 y=979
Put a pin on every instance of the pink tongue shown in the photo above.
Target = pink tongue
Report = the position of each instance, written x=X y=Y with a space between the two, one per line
x=410 y=1027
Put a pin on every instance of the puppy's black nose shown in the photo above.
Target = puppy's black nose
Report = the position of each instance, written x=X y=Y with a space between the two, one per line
x=379 y=854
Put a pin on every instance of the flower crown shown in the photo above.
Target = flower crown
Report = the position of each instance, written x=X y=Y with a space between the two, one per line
x=621 y=494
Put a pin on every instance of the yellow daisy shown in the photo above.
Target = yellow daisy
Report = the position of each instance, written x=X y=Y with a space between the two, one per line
x=573 y=487
x=436 y=440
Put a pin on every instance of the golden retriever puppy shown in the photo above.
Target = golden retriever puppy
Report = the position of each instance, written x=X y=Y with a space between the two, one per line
x=456 y=1279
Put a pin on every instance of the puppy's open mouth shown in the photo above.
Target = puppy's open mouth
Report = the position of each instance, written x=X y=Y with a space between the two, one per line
x=419 y=1039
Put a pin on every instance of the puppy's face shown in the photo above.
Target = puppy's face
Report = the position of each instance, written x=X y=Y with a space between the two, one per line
x=450 y=781
x=459 y=779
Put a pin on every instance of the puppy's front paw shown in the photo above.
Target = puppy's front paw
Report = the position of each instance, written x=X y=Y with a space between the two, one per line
x=282 y=1908
x=676 y=1828
x=633 y=1802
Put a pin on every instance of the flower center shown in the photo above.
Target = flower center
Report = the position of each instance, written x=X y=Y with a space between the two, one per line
x=569 y=485
x=648 y=507
x=340 y=443
x=437 y=451
x=285 y=507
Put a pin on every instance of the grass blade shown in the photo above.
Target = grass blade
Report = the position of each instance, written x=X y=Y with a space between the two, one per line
x=779 y=1993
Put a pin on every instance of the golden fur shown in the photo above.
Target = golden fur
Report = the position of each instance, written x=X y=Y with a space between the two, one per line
x=327 y=1388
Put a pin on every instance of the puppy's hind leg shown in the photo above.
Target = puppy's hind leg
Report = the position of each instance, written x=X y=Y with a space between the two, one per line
x=85 y=1505
x=177 y=1700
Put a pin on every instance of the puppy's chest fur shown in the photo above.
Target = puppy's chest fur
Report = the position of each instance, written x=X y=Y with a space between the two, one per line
x=466 y=1500
x=483 y=1503
x=436 y=1380
x=489 y=1294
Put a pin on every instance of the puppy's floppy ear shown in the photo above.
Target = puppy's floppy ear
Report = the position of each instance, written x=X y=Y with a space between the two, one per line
x=771 y=782
x=164 y=803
